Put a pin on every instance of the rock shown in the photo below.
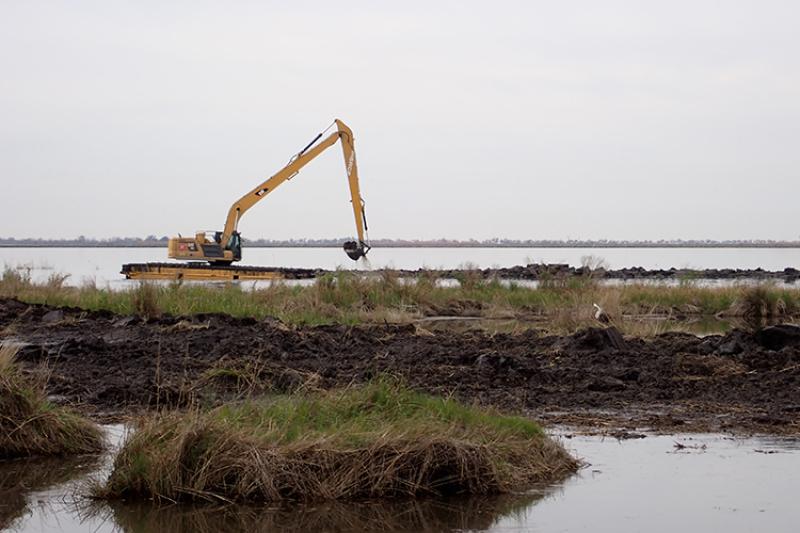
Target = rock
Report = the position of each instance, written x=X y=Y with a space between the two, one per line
x=125 y=321
x=57 y=315
x=599 y=339
x=59 y=399
x=776 y=337
x=732 y=347
x=706 y=347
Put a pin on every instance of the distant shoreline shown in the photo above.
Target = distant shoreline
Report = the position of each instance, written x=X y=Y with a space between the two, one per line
x=571 y=245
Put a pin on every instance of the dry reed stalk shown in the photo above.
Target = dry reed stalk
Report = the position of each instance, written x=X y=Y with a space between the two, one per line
x=30 y=425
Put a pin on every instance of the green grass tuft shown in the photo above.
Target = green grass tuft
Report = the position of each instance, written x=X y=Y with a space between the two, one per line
x=375 y=441
x=31 y=425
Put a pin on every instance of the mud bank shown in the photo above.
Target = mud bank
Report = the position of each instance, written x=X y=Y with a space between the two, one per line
x=535 y=272
x=539 y=271
x=115 y=365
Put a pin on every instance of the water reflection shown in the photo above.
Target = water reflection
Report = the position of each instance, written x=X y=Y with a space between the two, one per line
x=713 y=482
x=22 y=477
x=410 y=515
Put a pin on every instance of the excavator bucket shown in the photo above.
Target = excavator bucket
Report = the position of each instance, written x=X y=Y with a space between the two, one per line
x=354 y=250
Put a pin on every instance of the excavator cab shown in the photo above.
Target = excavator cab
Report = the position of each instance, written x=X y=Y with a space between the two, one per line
x=234 y=245
x=207 y=246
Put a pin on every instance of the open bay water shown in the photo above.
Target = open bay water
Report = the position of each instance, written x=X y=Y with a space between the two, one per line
x=713 y=483
x=102 y=265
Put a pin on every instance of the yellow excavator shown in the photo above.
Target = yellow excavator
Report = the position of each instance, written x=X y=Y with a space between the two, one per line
x=225 y=247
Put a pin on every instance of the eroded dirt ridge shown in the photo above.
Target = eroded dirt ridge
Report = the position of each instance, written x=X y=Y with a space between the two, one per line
x=114 y=364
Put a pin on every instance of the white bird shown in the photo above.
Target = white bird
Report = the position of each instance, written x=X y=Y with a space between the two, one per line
x=601 y=315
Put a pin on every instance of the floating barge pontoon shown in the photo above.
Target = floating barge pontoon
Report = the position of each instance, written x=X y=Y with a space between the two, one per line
x=206 y=272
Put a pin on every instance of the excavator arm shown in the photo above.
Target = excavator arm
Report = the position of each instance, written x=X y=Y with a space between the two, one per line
x=227 y=245
x=355 y=250
x=305 y=156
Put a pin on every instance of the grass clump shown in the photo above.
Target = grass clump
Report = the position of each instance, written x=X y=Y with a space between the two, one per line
x=762 y=302
x=564 y=303
x=377 y=441
x=144 y=299
x=31 y=425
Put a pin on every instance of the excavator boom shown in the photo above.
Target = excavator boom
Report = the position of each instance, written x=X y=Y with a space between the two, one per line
x=225 y=246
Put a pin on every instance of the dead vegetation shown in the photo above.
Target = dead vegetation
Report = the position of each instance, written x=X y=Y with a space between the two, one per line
x=144 y=298
x=381 y=440
x=762 y=302
x=559 y=304
x=255 y=377
x=31 y=425
x=704 y=366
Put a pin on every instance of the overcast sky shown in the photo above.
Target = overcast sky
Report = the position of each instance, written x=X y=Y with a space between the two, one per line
x=583 y=119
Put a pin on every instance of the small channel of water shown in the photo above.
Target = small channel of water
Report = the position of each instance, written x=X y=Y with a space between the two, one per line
x=706 y=482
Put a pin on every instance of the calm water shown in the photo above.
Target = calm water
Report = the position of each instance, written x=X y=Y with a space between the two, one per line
x=102 y=265
x=716 y=483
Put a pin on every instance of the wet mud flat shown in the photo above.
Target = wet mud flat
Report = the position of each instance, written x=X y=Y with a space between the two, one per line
x=116 y=365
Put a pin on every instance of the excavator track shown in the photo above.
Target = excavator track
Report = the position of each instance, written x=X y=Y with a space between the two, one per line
x=207 y=272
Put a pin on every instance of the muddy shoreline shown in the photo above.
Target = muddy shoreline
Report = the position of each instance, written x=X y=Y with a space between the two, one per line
x=534 y=272
x=539 y=272
x=114 y=365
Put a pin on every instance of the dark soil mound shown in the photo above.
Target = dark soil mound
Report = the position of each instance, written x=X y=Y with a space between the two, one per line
x=115 y=363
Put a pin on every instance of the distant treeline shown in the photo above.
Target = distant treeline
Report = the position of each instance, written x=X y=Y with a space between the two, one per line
x=152 y=241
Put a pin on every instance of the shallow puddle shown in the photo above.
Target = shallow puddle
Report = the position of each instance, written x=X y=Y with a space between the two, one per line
x=659 y=483
x=673 y=483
